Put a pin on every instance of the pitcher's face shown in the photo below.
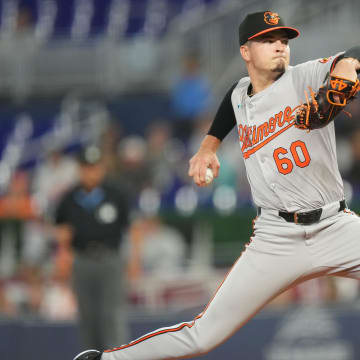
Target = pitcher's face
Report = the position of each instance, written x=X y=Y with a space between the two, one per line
x=268 y=52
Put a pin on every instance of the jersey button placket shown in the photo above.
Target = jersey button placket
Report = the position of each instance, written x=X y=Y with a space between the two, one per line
x=252 y=109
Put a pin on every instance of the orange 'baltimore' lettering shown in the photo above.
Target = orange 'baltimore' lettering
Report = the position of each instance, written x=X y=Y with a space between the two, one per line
x=287 y=114
x=279 y=119
x=241 y=133
x=258 y=136
x=272 y=124
x=262 y=131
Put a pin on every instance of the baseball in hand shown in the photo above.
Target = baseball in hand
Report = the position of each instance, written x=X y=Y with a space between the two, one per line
x=209 y=176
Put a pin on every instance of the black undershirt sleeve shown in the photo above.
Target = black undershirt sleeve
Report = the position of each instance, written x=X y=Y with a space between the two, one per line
x=224 y=119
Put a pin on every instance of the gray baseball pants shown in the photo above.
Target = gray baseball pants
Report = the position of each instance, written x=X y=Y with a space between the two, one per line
x=279 y=256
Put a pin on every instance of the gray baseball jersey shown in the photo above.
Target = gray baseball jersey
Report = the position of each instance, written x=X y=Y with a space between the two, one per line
x=289 y=170
x=279 y=158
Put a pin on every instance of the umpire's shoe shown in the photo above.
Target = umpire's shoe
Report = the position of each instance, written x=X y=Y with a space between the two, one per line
x=89 y=355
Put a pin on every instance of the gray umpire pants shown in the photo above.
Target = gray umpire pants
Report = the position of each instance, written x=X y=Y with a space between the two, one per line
x=99 y=286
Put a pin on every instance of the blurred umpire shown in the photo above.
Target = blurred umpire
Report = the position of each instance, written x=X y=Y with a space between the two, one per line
x=91 y=219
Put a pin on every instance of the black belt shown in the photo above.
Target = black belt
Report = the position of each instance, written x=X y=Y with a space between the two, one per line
x=96 y=250
x=305 y=218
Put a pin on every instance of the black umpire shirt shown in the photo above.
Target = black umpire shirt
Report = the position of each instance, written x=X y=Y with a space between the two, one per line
x=97 y=218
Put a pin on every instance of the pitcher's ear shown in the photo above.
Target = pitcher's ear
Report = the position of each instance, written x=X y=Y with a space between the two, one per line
x=245 y=51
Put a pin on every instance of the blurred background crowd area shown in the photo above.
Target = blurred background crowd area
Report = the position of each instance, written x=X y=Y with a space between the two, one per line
x=142 y=80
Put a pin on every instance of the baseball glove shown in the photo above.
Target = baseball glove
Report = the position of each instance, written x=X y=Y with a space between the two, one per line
x=322 y=107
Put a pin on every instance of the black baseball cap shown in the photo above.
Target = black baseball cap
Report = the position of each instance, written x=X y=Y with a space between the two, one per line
x=90 y=155
x=259 y=23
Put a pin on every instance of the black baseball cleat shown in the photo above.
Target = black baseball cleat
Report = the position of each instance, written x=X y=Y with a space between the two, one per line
x=89 y=355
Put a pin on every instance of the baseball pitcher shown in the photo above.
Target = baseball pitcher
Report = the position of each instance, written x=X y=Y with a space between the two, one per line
x=283 y=115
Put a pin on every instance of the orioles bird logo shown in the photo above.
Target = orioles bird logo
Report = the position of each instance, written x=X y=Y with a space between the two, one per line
x=324 y=60
x=271 y=18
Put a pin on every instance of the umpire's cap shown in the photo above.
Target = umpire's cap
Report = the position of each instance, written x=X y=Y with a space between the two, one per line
x=259 y=23
x=90 y=155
